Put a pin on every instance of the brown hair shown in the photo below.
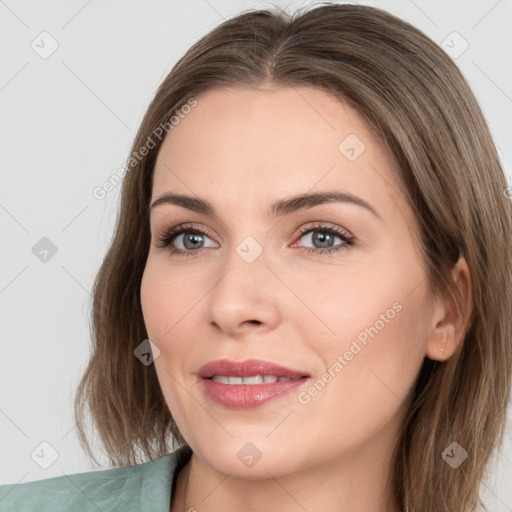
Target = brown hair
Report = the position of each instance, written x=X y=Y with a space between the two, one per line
x=415 y=97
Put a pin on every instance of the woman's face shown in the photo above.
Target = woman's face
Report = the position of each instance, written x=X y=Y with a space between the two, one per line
x=258 y=284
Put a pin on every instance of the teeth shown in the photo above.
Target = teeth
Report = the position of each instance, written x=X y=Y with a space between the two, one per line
x=255 y=379
x=221 y=379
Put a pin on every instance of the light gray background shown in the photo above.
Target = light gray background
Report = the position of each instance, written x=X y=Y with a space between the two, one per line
x=67 y=124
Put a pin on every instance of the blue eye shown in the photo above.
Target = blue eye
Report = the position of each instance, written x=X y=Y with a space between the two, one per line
x=170 y=235
x=318 y=235
x=194 y=239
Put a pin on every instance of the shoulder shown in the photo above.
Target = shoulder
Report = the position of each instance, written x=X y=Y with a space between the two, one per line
x=144 y=486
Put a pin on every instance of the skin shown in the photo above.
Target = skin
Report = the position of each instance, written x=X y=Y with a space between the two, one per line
x=241 y=149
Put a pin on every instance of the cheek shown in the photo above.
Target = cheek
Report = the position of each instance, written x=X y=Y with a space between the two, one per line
x=378 y=325
x=165 y=304
x=154 y=303
x=348 y=310
x=369 y=387
x=166 y=300
x=383 y=355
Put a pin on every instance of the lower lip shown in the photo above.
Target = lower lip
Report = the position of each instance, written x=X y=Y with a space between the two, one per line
x=240 y=396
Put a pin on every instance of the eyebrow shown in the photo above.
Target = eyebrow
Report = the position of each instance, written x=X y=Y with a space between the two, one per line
x=279 y=208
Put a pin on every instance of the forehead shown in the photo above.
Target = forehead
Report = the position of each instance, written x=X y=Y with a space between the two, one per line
x=270 y=144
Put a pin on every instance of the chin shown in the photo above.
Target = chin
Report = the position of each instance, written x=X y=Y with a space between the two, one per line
x=248 y=459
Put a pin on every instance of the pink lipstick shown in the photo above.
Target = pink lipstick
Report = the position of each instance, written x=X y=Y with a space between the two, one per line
x=248 y=384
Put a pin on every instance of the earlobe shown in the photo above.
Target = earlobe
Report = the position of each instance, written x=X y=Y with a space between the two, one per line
x=449 y=322
x=442 y=343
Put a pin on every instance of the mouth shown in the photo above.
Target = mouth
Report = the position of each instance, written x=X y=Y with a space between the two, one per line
x=248 y=384
x=249 y=372
x=252 y=380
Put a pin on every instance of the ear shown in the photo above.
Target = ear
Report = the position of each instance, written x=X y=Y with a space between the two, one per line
x=448 y=324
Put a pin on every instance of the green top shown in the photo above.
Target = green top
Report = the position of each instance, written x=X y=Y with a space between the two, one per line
x=146 y=486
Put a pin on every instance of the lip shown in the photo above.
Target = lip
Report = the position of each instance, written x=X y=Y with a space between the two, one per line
x=247 y=368
x=245 y=396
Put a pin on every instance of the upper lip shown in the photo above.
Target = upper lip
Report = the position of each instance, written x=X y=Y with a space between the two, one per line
x=247 y=368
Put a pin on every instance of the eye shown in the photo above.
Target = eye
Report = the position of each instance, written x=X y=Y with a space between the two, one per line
x=325 y=235
x=192 y=239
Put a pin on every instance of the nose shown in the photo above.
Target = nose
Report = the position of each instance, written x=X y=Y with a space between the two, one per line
x=246 y=297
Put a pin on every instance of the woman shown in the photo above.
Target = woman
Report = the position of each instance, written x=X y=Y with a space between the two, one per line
x=314 y=235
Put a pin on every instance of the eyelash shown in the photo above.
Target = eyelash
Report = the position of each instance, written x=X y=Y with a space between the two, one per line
x=169 y=235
